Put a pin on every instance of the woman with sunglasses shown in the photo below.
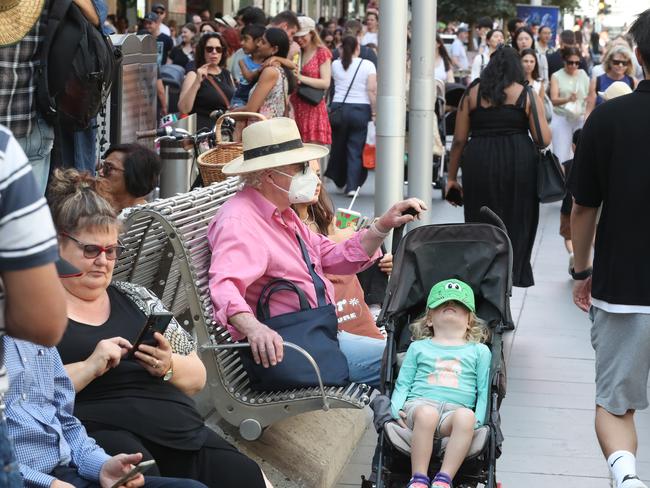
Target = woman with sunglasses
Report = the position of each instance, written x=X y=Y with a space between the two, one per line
x=140 y=403
x=128 y=174
x=618 y=67
x=569 y=90
x=210 y=87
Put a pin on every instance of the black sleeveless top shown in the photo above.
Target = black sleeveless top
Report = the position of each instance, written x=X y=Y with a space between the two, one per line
x=128 y=397
x=507 y=119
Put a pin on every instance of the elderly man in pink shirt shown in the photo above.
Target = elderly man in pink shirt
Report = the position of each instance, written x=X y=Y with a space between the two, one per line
x=253 y=237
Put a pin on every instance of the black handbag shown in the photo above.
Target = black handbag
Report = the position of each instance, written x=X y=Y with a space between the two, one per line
x=311 y=95
x=336 y=113
x=313 y=329
x=551 y=185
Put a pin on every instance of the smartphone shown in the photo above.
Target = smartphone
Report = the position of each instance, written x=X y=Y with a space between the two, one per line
x=454 y=196
x=411 y=211
x=140 y=468
x=156 y=322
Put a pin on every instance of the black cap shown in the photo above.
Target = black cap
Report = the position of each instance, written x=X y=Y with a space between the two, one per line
x=66 y=270
x=151 y=17
x=158 y=6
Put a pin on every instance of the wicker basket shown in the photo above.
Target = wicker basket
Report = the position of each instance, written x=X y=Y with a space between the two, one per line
x=212 y=161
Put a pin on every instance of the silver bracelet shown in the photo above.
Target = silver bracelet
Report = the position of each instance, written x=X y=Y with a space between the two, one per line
x=373 y=228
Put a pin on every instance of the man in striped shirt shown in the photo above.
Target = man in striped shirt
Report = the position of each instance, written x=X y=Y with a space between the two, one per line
x=32 y=302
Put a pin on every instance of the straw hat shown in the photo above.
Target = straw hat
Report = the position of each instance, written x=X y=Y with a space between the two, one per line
x=270 y=144
x=307 y=25
x=227 y=21
x=17 y=17
x=616 y=89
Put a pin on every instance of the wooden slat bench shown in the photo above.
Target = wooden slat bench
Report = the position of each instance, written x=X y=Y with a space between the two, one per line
x=167 y=251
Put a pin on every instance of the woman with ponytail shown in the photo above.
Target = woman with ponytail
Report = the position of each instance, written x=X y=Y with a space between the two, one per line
x=500 y=160
x=355 y=94
x=139 y=402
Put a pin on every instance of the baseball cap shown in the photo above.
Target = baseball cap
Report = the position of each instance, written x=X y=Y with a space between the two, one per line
x=307 y=25
x=65 y=269
x=448 y=290
x=158 y=6
x=463 y=28
x=151 y=17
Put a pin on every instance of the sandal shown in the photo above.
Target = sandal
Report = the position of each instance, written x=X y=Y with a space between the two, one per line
x=441 y=480
x=418 y=481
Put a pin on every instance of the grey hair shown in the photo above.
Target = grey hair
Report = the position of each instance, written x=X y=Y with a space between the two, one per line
x=619 y=49
x=252 y=179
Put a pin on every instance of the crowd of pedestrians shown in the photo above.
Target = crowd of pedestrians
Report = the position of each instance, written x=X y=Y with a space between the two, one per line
x=72 y=411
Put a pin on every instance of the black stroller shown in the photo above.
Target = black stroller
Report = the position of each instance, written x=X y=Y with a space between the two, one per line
x=479 y=254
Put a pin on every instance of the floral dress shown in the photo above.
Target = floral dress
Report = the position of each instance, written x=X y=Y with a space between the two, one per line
x=312 y=120
x=275 y=103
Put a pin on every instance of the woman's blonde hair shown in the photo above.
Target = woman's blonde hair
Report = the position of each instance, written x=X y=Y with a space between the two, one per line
x=619 y=49
x=76 y=203
x=477 y=330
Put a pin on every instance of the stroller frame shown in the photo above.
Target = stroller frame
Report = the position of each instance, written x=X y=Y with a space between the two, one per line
x=480 y=468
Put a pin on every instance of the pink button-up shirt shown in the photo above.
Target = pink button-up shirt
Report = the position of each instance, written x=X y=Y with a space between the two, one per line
x=253 y=243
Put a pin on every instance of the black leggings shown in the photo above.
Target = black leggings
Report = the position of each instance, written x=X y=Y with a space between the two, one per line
x=217 y=467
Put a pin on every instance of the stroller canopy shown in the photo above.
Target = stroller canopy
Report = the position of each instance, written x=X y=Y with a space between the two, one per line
x=478 y=254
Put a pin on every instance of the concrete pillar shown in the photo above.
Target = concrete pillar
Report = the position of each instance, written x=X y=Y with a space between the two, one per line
x=391 y=106
x=421 y=105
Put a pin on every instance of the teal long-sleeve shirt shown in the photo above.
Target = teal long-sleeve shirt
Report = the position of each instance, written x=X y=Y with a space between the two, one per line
x=456 y=374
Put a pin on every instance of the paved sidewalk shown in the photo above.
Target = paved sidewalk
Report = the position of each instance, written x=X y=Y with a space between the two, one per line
x=547 y=415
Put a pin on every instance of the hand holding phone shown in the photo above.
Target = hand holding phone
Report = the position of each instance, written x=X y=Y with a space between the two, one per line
x=137 y=469
x=454 y=196
x=156 y=322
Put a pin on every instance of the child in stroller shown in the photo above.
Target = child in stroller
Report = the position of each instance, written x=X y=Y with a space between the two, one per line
x=443 y=384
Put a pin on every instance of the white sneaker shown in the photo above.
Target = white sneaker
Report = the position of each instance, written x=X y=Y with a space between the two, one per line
x=570 y=262
x=632 y=482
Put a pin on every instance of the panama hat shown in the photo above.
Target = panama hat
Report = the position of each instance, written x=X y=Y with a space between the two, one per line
x=227 y=21
x=307 y=25
x=614 y=90
x=270 y=144
x=17 y=17
x=448 y=290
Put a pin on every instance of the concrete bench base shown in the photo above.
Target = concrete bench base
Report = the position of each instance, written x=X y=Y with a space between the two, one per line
x=305 y=451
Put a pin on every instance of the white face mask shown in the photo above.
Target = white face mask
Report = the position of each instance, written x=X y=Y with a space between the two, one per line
x=303 y=186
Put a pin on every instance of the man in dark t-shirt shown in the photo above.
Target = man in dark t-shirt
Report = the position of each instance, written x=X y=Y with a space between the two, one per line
x=163 y=41
x=555 y=60
x=611 y=170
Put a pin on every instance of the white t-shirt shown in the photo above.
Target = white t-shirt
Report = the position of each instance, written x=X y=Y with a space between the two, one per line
x=458 y=51
x=165 y=30
x=370 y=38
x=343 y=78
x=440 y=72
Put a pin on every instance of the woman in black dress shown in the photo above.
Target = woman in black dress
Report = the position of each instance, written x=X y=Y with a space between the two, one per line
x=138 y=403
x=210 y=87
x=500 y=160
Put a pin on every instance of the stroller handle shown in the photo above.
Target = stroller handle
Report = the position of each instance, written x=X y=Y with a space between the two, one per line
x=489 y=217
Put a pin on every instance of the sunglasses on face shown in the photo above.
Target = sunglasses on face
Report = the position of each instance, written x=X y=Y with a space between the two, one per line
x=91 y=251
x=620 y=62
x=572 y=63
x=213 y=49
x=106 y=167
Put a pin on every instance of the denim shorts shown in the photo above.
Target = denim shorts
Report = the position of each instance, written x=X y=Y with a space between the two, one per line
x=444 y=409
x=10 y=476
x=622 y=345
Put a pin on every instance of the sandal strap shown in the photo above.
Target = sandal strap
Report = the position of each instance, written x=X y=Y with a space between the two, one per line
x=418 y=478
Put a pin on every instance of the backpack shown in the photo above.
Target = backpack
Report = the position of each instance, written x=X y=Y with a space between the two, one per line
x=77 y=67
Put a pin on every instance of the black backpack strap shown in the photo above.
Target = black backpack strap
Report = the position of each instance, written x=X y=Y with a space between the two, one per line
x=56 y=13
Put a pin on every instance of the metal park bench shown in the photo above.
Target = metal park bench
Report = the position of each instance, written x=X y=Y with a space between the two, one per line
x=167 y=251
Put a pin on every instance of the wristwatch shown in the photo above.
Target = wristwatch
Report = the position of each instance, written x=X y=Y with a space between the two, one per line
x=170 y=372
x=582 y=275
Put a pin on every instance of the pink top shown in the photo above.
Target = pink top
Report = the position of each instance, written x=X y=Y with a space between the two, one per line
x=252 y=243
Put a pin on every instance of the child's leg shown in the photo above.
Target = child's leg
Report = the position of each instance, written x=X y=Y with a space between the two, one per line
x=425 y=422
x=459 y=425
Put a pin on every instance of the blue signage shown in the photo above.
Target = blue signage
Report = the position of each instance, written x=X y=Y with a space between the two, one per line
x=542 y=15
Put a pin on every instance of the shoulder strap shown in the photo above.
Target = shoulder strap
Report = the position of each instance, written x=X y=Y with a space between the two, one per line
x=219 y=90
x=352 y=82
x=521 y=101
x=533 y=108
x=319 y=285
x=55 y=14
